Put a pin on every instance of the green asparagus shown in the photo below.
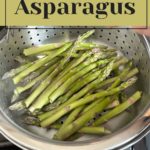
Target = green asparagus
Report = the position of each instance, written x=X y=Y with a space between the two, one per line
x=135 y=97
x=40 y=63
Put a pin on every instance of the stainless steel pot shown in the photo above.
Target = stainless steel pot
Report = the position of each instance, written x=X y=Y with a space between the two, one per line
x=127 y=127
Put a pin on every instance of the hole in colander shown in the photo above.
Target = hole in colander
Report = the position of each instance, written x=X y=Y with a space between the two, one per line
x=9 y=48
x=62 y=33
x=123 y=42
x=116 y=37
x=28 y=32
x=32 y=44
x=61 y=122
x=21 y=37
x=18 y=48
x=39 y=40
x=108 y=39
x=46 y=30
x=109 y=33
x=115 y=43
x=24 y=43
x=30 y=38
x=38 y=34
x=47 y=36
x=15 y=42
x=125 y=35
x=118 y=30
x=100 y=36
x=1 y=49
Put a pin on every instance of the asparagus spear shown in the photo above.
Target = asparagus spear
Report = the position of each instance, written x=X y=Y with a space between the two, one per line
x=87 y=130
x=40 y=63
x=78 y=41
x=14 y=72
x=86 y=90
x=86 y=100
x=86 y=46
x=21 y=89
x=102 y=74
x=81 y=121
x=43 y=48
x=119 y=109
x=93 y=84
x=63 y=88
x=44 y=98
x=72 y=116
x=27 y=102
x=90 y=86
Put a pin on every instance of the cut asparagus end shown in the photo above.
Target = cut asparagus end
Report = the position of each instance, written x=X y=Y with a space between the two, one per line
x=17 y=106
x=30 y=120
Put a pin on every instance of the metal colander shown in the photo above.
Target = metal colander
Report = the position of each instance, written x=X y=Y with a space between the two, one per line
x=126 y=126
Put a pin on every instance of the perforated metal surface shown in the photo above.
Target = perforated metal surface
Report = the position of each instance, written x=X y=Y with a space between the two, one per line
x=126 y=41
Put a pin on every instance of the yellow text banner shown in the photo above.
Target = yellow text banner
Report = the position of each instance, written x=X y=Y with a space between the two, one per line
x=76 y=12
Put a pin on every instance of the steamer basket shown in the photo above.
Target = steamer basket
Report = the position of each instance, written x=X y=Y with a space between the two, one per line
x=126 y=127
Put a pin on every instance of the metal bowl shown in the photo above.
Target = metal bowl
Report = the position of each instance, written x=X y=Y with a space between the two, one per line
x=125 y=127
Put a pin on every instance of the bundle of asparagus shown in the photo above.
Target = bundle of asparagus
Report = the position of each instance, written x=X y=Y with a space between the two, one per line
x=74 y=79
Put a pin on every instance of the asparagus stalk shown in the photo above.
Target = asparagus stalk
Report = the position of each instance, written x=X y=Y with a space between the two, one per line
x=72 y=116
x=87 y=130
x=108 y=50
x=44 y=98
x=14 y=72
x=81 y=121
x=41 y=88
x=43 y=48
x=40 y=63
x=102 y=74
x=78 y=41
x=86 y=46
x=31 y=76
x=92 y=105
x=119 y=109
x=27 y=102
x=63 y=88
x=86 y=100
x=85 y=91
x=92 y=85
x=21 y=89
